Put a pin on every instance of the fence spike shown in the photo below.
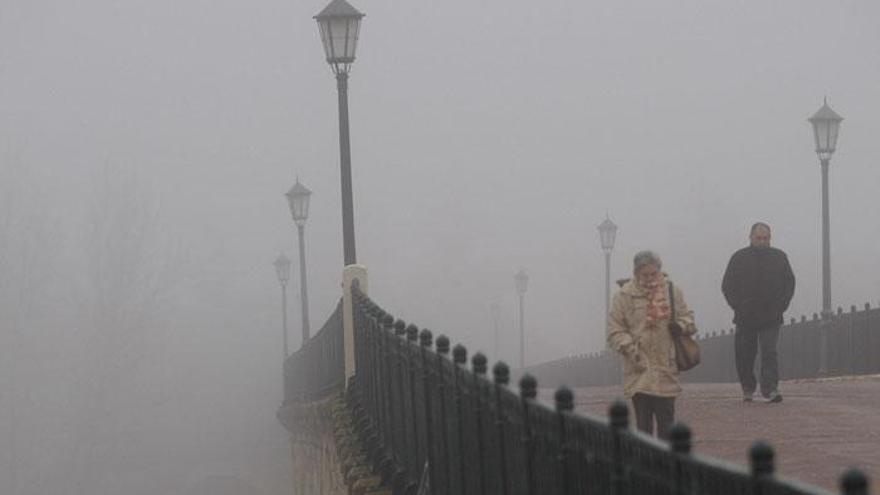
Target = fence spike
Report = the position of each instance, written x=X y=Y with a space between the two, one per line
x=399 y=327
x=867 y=306
x=388 y=321
x=839 y=311
x=412 y=333
x=853 y=308
x=478 y=363
x=680 y=437
x=564 y=399
x=426 y=338
x=442 y=345
x=761 y=459
x=459 y=354
x=619 y=414
x=501 y=373
x=854 y=482
x=528 y=386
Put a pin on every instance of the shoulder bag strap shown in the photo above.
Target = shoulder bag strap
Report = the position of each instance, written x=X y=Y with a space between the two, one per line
x=671 y=304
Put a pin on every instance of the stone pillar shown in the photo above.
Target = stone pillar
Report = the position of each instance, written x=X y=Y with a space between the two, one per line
x=350 y=273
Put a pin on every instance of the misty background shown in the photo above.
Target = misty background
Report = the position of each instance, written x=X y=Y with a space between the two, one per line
x=145 y=148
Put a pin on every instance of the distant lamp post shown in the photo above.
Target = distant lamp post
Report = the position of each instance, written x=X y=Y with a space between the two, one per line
x=282 y=269
x=339 y=24
x=607 y=235
x=298 y=199
x=522 y=283
x=826 y=127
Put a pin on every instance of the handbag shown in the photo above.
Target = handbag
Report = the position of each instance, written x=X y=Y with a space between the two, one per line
x=687 y=350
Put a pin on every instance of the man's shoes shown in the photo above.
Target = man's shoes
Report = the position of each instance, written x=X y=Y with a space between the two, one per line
x=748 y=397
x=774 y=397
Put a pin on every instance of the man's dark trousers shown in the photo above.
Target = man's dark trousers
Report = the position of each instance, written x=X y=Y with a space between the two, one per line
x=746 y=343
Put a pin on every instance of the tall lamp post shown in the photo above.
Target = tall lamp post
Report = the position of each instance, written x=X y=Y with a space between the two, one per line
x=826 y=126
x=339 y=24
x=282 y=269
x=298 y=199
x=607 y=234
x=522 y=283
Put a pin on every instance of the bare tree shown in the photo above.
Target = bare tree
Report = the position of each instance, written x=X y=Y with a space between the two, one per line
x=129 y=271
x=29 y=241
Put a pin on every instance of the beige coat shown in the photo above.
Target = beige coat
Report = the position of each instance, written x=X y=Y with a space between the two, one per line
x=648 y=353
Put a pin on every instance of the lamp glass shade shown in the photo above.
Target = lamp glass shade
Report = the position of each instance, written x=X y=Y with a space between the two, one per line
x=298 y=200
x=282 y=268
x=826 y=127
x=522 y=281
x=607 y=234
x=339 y=24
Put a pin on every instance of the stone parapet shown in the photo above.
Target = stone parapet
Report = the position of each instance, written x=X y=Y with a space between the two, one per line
x=327 y=454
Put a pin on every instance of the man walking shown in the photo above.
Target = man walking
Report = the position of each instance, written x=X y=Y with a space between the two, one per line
x=758 y=285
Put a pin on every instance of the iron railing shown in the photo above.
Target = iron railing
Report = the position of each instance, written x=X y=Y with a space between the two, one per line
x=431 y=425
x=318 y=367
x=853 y=348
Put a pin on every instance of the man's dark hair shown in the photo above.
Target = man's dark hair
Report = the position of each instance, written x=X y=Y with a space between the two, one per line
x=759 y=224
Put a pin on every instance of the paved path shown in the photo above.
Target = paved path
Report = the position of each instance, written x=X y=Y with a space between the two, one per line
x=819 y=430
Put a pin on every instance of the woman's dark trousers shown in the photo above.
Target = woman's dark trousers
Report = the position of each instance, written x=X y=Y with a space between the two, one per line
x=746 y=343
x=650 y=407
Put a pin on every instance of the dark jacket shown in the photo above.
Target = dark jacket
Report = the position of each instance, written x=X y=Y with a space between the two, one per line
x=758 y=284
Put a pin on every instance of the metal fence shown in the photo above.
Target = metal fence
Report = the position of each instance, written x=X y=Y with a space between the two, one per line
x=432 y=425
x=853 y=347
x=318 y=367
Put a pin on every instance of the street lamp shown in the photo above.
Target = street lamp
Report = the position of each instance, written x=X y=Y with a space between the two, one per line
x=607 y=234
x=339 y=24
x=522 y=283
x=826 y=126
x=298 y=199
x=282 y=269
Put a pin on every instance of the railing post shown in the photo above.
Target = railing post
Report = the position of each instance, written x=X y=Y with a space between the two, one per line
x=443 y=352
x=872 y=363
x=564 y=404
x=412 y=335
x=386 y=466
x=619 y=422
x=478 y=366
x=350 y=273
x=501 y=374
x=854 y=482
x=761 y=460
x=459 y=356
x=401 y=429
x=425 y=340
x=528 y=389
x=851 y=333
x=680 y=439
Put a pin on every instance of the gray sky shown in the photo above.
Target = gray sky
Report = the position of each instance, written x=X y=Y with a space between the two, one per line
x=486 y=137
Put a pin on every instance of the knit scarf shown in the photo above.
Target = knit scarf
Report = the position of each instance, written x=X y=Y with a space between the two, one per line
x=658 y=302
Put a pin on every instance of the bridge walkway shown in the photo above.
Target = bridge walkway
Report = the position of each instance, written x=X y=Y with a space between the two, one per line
x=823 y=426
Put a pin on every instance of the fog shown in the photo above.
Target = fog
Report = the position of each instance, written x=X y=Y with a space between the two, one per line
x=145 y=148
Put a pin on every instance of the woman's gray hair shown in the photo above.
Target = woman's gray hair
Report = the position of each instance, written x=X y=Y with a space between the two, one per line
x=643 y=258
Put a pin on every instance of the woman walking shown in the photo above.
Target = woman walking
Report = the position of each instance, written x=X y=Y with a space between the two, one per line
x=640 y=329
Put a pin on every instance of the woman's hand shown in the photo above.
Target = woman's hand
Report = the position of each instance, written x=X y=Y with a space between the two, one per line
x=638 y=360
